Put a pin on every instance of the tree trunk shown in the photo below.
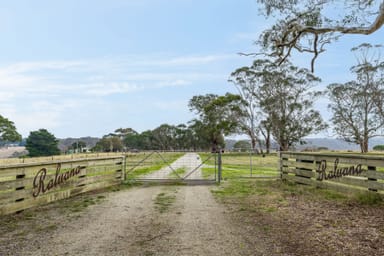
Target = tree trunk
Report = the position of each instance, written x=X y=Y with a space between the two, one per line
x=364 y=145
x=268 y=142
x=284 y=145
x=253 y=142
x=261 y=146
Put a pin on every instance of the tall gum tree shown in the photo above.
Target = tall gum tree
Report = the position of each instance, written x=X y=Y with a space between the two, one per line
x=218 y=116
x=253 y=122
x=286 y=95
x=357 y=106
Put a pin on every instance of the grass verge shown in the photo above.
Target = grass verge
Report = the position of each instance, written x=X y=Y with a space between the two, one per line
x=276 y=191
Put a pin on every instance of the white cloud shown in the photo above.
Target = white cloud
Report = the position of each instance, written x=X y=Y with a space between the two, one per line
x=101 y=77
x=104 y=89
x=54 y=94
x=174 y=83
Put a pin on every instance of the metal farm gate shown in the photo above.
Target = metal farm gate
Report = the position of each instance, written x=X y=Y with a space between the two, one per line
x=173 y=167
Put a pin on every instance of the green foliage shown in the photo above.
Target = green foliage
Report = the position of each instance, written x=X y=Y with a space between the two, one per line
x=242 y=145
x=357 y=106
x=8 y=131
x=284 y=95
x=78 y=145
x=218 y=116
x=42 y=143
x=109 y=144
x=253 y=123
x=379 y=147
x=164 y=137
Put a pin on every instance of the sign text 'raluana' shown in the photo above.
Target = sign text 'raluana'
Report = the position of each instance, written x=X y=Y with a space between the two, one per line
x=41 y=185
x=337 y=172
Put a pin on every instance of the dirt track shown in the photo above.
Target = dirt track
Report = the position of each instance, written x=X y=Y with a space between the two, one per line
x=155 y=220
x=130 y=222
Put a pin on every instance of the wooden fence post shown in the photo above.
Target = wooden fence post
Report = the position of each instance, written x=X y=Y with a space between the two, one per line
x=372 y=168
x=280 y=164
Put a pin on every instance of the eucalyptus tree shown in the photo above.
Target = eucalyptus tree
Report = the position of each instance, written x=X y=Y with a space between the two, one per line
x=78 y=146
x=145 y=140
x=308 y=26
x=247 y=84
x=184 y=137
x=357 y=106
x=8 y=132
x=109 y=144
x=218 y=116
x=286 y=95
x=130 y=137
x=265 y=130
x=203 y=136
x=164 y=137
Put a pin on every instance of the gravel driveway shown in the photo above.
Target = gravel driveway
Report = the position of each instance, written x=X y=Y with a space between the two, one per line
x=154 y=220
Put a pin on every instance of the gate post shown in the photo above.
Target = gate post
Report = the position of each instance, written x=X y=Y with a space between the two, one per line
x=219 y=166
x=280 y=164
x=125 y=167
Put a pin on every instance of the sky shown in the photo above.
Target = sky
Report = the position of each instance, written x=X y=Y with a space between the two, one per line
x=89 y=67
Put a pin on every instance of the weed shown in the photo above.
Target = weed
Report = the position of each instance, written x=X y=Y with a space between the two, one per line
x=164 y=201
x=368 y=198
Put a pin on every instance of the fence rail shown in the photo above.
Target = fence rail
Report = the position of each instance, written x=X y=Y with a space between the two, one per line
x=336 y=171
x=24 y=185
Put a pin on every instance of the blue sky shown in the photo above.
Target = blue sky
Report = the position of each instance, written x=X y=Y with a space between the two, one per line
x=86 y=68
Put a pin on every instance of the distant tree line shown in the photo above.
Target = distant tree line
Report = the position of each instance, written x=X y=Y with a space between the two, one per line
x=165 y=137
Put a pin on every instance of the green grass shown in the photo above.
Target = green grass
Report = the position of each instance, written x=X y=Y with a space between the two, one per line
x=275 y=192
x=235 y=165
x=144 y=170
x=369 y=198
x=141 y=163
x=239 y=188
x=164 y=201
x=179 y=172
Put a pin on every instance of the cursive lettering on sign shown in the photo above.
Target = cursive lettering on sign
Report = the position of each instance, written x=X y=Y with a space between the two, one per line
x=337 y=172
x=41 y=185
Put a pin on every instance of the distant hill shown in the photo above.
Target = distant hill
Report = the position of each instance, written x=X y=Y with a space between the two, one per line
x=336 y=144
x=330 y=143
x=64 y=144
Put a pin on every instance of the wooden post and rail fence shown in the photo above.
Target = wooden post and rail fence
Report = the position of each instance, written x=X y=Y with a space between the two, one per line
x=343 y=172
x=28 y=184
x=25 y=185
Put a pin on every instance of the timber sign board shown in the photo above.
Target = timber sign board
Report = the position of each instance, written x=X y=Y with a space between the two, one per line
x=42 y=185
x=32 y=183
x=343 y=172
x=337 y=172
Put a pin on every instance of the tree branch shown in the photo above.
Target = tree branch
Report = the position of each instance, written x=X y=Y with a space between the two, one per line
x=293 y=31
